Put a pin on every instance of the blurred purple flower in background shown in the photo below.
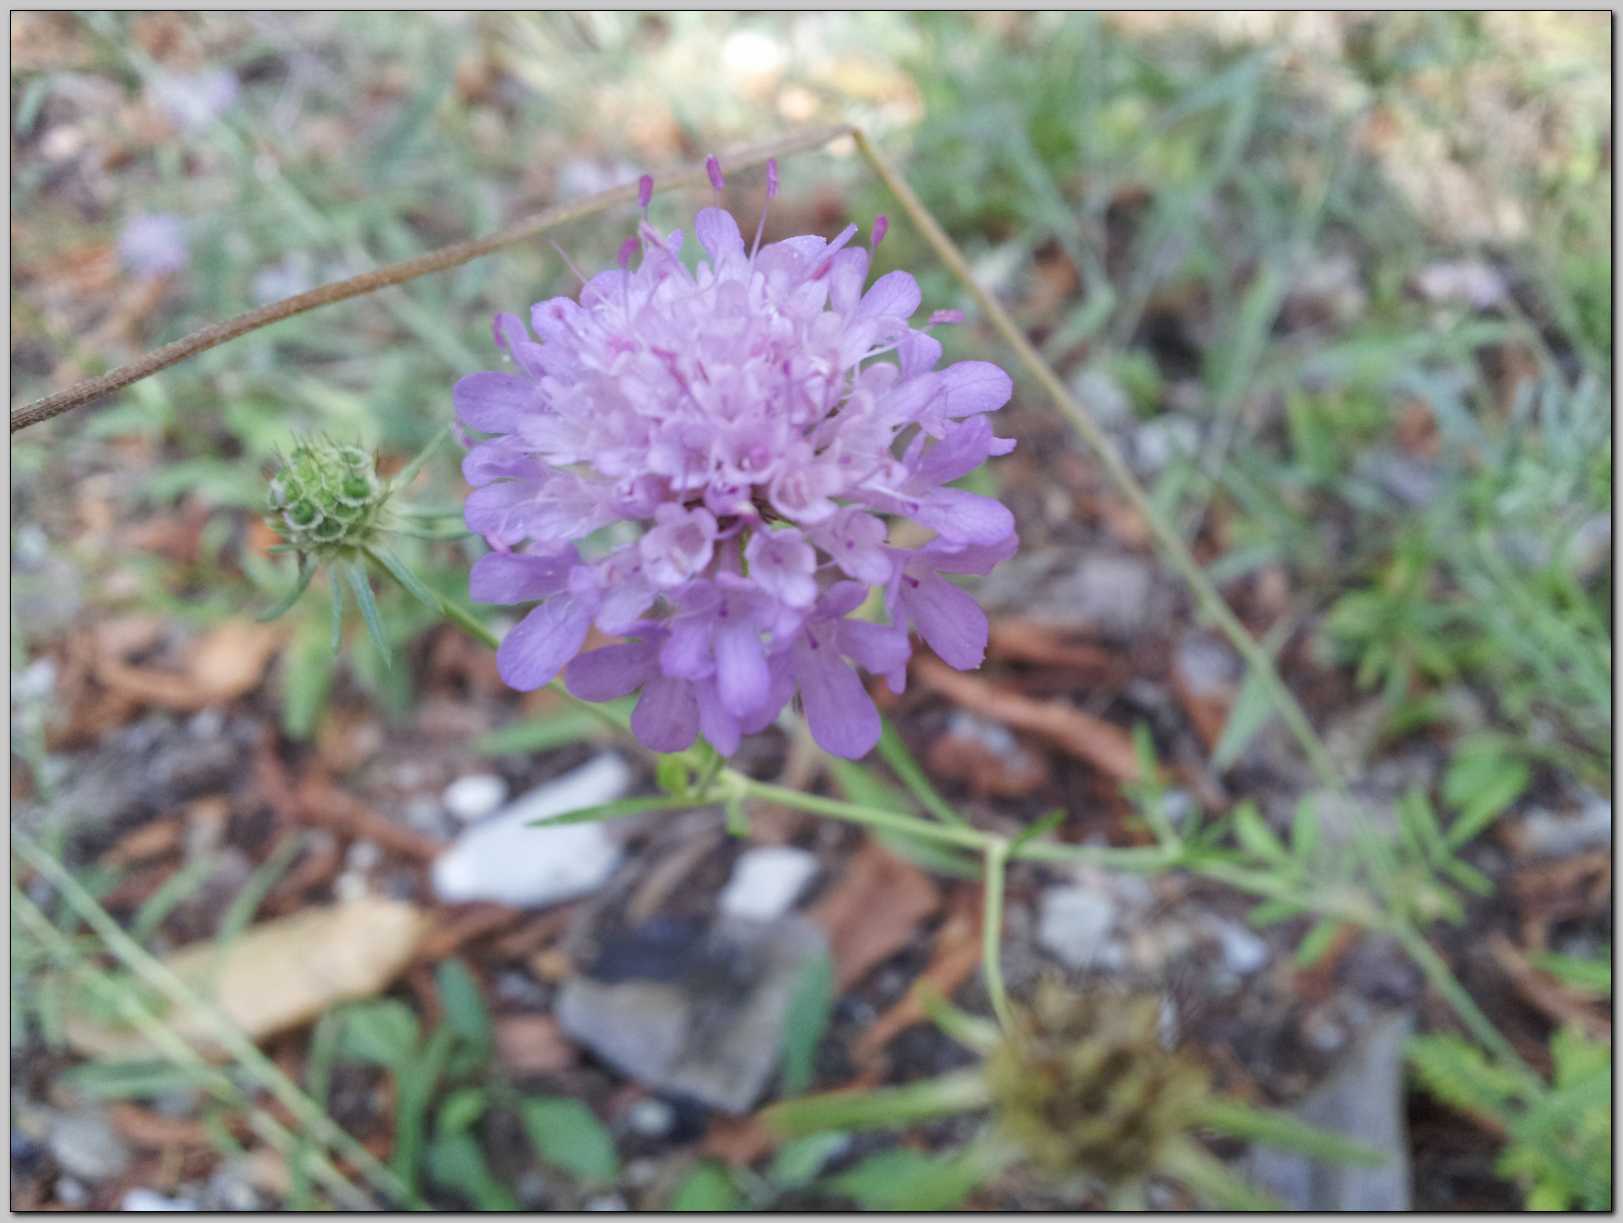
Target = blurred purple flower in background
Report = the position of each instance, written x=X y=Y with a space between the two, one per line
x=153 y=244
x=193 y=100
x=741 y=434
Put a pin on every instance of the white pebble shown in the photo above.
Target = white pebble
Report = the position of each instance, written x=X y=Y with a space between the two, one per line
x=766 y=881
x=151 y=1199
x=475 y=796
x=506 y=860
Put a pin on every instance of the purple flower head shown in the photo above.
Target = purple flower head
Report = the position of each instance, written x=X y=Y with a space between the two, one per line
x=707 y=464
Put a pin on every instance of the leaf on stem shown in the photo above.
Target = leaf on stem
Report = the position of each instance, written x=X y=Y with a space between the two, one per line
x=301 y=583
x=362 y=589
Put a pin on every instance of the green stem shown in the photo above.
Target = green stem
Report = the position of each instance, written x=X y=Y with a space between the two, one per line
x=231 y=1038
x=1172 y=545
x=992 y=934
x=1437 y=972
x=215 y=1082
x=465 y=619
x=853 y=813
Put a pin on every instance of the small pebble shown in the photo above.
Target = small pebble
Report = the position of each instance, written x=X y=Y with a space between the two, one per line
x=1074 y=924
x=475 y=796
x=349 y=886
x=150 y=1199
x=766 y=881
x=71 y=1193
x=1243 y=952
x=86 y=1145
x=363 y=856
x=651 y=1117
x=606 y=1201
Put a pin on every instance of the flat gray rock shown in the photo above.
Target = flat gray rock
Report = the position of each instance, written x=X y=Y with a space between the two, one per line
x=701 y=1013
x=1363 y=1101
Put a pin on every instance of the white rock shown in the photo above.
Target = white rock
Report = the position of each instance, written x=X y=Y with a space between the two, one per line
x=1075 y=923
x=505 y=860
x=151 y=1199
x=651 y=1117
x=767 y=881
x=475 y=796
x=1243 y=951
x=87 y=1146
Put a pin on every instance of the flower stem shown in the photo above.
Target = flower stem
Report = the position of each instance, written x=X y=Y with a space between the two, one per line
x=854 y=813
x=1437 y=972
x=1172 y=545
x=443 y=259
x=992 y=934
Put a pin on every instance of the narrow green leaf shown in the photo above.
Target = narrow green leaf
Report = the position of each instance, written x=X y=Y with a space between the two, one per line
x=1213 y=1182
x=247 y=901
x=615 y=810
x=1481 y=787
x=456 y=1162
x=403 y=478
x=893 y=751
x=461 y=1110
x=568 y=1136
x=337 y=606
x=809 y=1010
x=184 y=883
x=362 y=589
x=383 y=1031
x=1252 y=708
x=960 y=1091
x=1305 y=830
x=1040 y=827
x=799 y=1160
x=307 y=675
x=1255 y=837
x=130 y=1080
x=301 y=583
x=931 y=855
x=1590 y=976
x=402 y=573
x=706 y=1188
x=1282 y=1130
x=1272 y=912
x=904 y=1179
x=552 y=730
x=464 y=1004
x=1316 y=942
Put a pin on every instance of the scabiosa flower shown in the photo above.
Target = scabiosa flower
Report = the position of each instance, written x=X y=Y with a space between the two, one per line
x=706 y=463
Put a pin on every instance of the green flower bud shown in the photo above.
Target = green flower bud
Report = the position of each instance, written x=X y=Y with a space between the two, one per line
x=1084 y=1083
x=326 y=499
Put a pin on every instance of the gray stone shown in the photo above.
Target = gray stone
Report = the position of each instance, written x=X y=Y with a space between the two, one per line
x=1075 y=925
x=1102 y=396
x=1544 y=834
x=1160 y=441
x=86 y=1145
x=766 y=881
x=1109 y=594
x=1244 y=952
x=1363 y=1100
x=506 y=860
x=700 y=1015
x=72 y=1193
